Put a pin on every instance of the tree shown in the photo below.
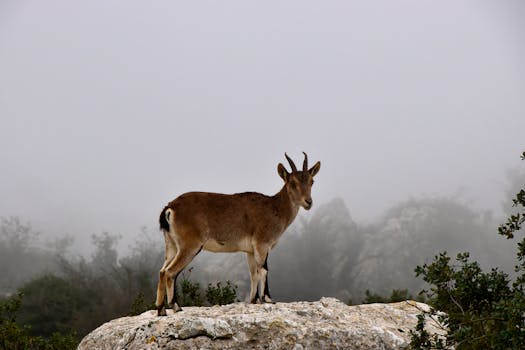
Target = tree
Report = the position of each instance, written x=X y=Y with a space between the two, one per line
x=115 y=285
x=515 y=221
x=20 y=257
x=482 y=310
x=51 y=305
x=14 y=336
x=415 y=229
x=317 y=257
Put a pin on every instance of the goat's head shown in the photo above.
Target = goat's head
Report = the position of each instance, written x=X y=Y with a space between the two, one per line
x=299 y=183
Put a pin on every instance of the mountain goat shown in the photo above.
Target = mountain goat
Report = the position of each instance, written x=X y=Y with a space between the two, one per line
x=249 y=222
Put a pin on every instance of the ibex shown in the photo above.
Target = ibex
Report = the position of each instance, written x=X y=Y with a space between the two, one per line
x=249 y=222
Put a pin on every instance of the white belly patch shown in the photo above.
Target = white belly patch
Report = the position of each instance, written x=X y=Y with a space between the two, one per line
x=242 y=245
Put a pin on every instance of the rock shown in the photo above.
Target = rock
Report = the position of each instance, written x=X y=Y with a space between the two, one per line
x=325 y=324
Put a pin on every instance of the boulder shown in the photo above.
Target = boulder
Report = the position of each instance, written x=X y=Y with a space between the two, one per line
x=324 y=324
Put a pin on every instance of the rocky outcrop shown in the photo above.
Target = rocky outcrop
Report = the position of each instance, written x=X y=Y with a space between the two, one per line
x=325 y=324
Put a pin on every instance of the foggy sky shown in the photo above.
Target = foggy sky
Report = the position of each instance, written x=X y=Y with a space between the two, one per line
x=110 y=109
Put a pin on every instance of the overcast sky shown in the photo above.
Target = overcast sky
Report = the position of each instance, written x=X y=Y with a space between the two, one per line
x=110 y=109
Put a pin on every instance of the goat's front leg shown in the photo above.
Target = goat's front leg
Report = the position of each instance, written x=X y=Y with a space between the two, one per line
x=254 y=278
x=261 y=261
x=265 y=290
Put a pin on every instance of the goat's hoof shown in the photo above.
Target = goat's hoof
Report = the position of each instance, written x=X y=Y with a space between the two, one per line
x=161 y=311
x=268 y=300
x=176 y=308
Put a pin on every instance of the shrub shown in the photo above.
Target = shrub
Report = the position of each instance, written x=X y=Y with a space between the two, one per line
x=397 y=295
x=482 y=310
x=14 y=336
x=219 y=295
x=140 y=305
x=190 y=293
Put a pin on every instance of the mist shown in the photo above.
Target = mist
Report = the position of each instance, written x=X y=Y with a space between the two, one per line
x=109 y=110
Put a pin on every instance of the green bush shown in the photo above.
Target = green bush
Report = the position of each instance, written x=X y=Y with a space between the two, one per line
x=14 y=336
x=50 y=304
x=397 y=295
x=190 y=293
x=140 y=305
x=482 y=310
x=371 y=298
x=219 y=295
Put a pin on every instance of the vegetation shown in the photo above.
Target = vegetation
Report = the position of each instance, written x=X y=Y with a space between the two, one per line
x=397 y=295
x=140 y=305
x=52 y=304
x=330 y=254
x=482 y=310
x=14 y=336
x=221 y=295
x=325 y=254
x=59 y=308
x=189 y=293
x=18 y=245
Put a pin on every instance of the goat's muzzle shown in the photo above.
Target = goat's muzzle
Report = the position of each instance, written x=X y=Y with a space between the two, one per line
x=307 y=203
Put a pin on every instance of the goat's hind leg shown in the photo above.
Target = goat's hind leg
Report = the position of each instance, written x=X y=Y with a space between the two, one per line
x=165 y=284
x=185 y=255
x=161 y=290
x=171 y=252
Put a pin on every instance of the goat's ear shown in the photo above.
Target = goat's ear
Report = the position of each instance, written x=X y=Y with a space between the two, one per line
x=315 y=169
x=281 y=170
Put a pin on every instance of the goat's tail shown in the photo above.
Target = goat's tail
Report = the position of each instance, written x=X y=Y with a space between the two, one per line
x=164 y=219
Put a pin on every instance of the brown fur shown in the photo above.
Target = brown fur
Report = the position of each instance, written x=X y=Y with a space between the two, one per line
x=249 y=222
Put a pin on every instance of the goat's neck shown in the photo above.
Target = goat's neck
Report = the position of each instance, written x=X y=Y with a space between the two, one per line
x=288 y=210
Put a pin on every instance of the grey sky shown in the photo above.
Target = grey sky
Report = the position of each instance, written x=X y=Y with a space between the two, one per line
x=109 y=109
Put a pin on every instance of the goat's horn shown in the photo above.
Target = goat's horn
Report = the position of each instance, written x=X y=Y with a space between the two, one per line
x=305 y=163
x=292 y=165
